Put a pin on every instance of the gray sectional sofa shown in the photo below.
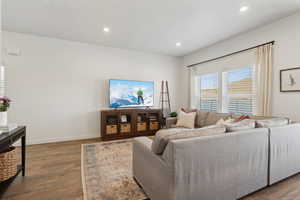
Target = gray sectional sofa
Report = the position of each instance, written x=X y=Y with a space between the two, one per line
x=225 y=166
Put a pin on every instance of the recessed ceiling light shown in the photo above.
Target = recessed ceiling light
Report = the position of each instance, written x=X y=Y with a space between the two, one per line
x=106 y=29
x=178 y=44
x=244 y=8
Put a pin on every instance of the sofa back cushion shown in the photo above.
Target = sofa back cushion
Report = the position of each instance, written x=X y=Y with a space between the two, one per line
x=274 y=122
x=240 y=125
x=163 y=136
x=213 y=117
x=201 y=118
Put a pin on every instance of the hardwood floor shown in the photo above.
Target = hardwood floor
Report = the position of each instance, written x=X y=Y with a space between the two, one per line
x=53 y=173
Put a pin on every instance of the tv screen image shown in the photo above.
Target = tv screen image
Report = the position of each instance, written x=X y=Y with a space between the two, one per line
x=126 y=93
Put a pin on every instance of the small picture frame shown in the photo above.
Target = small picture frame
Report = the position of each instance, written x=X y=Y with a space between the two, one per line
x=139 y=118
x=123 y=118
x=290 y=80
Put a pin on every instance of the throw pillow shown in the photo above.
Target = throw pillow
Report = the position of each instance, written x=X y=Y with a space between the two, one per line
x=242 y=117
x=163 y=136
x=188 y=111
x=186 y=120
x=226 y=121
x=213 y=117
x=232 y=126
x=201 y=118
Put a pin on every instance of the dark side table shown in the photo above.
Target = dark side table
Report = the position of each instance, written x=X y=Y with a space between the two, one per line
x=9 y=138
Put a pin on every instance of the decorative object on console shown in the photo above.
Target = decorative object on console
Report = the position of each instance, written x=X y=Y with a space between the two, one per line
x=290 y=80
x=8 y=127
x=173 y=114
x=4 y=105
x=123 y=118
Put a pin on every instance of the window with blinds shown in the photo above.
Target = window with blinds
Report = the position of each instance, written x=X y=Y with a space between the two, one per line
x=209 y=92
x=239 y=91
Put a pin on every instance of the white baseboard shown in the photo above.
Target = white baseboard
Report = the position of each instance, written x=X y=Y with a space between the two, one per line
x=52 y=140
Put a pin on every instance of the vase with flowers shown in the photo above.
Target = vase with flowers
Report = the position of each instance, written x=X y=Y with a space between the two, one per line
x=4 y=105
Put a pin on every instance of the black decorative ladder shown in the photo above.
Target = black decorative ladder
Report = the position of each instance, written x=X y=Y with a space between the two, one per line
x=165 y=99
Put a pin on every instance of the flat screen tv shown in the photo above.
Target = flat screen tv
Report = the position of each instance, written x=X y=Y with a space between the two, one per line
x=126 y=93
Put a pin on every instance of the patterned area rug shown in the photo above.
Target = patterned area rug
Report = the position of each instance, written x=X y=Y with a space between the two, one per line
x=107 y=172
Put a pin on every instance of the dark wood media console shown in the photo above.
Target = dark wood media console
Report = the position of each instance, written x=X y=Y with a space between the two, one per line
x=126 y=123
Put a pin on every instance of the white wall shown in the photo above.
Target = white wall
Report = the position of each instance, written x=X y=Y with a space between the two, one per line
x=58 y=87
x=286 y=33
x=0 y=33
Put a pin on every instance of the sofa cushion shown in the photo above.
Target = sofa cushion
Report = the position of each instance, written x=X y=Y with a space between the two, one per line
x=274 y=122
x=237 y=126
x=171 y=121
x=213 y=117
x=200 y=118
x=163 y=136
x=186 y=120
x=235 y=116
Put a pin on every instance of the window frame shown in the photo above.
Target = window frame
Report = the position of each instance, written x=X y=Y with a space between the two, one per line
x=222 y=95
x=198 y=82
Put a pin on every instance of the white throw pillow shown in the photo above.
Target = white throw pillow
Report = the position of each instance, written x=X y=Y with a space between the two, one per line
x=232 y=126
x=186 y=120
x=223 y=122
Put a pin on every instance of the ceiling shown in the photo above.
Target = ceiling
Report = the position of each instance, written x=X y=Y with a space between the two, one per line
x=143 y=25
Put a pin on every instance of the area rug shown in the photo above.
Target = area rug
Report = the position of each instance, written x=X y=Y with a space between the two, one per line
x=107 y=172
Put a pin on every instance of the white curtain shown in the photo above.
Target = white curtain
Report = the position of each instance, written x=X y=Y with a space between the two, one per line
x=264 y=69
x=193 y=95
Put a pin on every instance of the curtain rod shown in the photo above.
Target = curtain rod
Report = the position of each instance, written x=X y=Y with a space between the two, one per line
x=230 y=54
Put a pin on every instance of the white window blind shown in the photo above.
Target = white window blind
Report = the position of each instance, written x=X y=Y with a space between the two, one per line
x=231 y=91
x=226 y=85
x=239 y=91
x=208 y=92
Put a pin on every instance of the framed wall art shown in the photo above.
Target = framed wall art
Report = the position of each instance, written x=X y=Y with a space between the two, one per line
x=290 y=80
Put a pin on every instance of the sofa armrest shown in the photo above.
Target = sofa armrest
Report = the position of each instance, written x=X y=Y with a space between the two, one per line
x=284 y=152
x=150 y=170
x=143 y=142
x=171 y=121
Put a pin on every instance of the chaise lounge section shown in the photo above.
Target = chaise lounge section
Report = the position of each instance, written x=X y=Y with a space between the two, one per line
x=221 y=166
x=211 y=167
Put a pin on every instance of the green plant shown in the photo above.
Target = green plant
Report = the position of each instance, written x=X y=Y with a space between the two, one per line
x=4 y=104
x=173 y=114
